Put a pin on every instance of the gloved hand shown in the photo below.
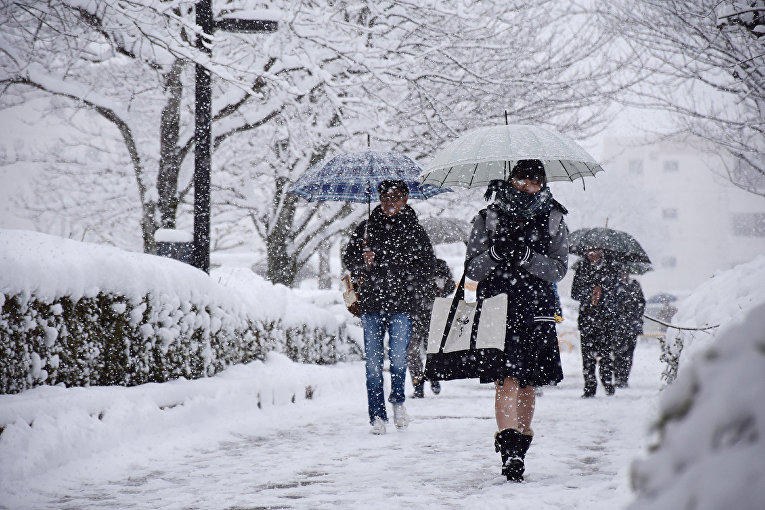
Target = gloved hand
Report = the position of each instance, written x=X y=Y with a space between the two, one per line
x=505 y=243
x=510 y=251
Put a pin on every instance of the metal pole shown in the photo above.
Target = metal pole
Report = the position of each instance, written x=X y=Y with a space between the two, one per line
x=202 y=141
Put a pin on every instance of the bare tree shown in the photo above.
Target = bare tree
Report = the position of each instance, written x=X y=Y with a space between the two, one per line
x=703 y=61
x=411 y=73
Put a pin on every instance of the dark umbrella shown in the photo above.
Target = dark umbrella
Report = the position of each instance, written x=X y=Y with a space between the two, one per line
x=446 y=230
x=637 y=267
x=624 y=247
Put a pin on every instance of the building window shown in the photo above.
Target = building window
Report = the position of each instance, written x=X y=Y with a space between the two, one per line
x=636 y=166
x=670 y=166
x=669 y=213
x=669 y=262
x=749 y=224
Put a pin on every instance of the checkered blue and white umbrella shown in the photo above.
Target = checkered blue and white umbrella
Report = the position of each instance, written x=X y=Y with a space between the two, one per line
x=353 y=177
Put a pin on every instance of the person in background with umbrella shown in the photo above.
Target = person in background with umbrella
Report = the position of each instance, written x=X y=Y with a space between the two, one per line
x=519 y=247
x=392 y=260
x=441 y=285
x=595 y=285
x=632 y=305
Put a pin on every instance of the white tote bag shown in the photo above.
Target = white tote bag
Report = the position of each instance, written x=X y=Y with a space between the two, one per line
x=460 y=348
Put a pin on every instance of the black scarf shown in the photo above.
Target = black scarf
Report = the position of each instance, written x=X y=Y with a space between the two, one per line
x=517 y=204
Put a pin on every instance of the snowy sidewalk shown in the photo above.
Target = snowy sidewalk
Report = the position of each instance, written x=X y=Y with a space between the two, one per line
x=319 y=454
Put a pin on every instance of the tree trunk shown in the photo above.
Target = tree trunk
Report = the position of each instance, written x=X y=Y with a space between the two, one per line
x=282 y=265
x=169 y=160
x=325 y=278
x=148 y=227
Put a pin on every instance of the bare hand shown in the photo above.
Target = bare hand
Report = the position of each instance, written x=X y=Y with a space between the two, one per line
x=369 y=257
x=597 y=293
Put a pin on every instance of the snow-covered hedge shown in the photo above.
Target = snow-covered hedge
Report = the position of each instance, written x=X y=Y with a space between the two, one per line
x=85 y=314
x=724 y=298
x=710 y=432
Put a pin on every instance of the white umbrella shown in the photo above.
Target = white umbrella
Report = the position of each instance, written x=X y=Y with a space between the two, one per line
x=489 y=153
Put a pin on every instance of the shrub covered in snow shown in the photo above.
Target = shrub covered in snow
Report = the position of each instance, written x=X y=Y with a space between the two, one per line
x=710 y=431
x=725 y=297
x=84 y=314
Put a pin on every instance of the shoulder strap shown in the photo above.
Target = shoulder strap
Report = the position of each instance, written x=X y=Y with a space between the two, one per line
x=559 y=206
x=459 y=295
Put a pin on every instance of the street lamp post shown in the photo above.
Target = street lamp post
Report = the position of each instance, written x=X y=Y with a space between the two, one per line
x=203 y=120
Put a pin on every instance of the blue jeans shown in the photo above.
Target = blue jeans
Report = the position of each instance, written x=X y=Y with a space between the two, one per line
x=399 y=329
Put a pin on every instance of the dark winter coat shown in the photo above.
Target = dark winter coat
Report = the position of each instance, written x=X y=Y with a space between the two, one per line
x=531 y=345
x=442 y=284
x=606 y=313
x=400 y=280
x=632 y=307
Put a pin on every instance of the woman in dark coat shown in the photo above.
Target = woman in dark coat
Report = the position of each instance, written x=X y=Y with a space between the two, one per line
x=519 y=246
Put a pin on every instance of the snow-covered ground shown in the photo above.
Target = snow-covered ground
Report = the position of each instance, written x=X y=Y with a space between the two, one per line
x=116 y=447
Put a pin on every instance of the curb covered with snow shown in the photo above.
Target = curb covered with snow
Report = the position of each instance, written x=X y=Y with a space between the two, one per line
x=48 y=426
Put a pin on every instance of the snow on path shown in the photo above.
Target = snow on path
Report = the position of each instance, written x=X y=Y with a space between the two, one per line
x=319 y=454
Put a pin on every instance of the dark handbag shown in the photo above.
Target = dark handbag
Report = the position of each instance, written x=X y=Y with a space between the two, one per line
x=466 y=340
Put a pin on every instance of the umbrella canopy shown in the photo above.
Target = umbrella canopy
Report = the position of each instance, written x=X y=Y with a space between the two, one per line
x=637 y=267
x=621 y=244
x=489 y=153
x=353 y=177
x=662 y=297
x=446 y=230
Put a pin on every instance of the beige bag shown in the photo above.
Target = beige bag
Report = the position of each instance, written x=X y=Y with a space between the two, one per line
x=491 y=325
x=350 y=296
x=458 y=348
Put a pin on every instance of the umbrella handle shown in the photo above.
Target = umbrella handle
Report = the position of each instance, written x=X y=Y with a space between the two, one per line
x=369 y=211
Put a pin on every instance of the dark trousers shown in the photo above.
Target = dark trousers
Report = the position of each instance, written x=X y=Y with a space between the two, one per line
x=597 y=348
x=624 y=357
x=418 y=345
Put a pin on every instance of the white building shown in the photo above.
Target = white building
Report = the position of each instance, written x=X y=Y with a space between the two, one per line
x=693 y=221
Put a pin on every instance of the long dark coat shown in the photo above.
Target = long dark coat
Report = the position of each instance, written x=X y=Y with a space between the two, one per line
x=605 y=315
x=400 y=279
x=632 y=304
x=531 y=345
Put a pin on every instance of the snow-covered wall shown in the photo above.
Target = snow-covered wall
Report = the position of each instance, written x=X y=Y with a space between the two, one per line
x=86 y=314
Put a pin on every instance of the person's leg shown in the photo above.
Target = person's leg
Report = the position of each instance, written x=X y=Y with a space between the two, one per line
x=374 y=332
x=506 y=403
x=514 y=406
x=606 y=351
x=629 y=356
x=399 y=332
x=435 y=384
x=514 y=409
x=588 y=364
x=414 y=354
x=527 y=400
x=620 y=361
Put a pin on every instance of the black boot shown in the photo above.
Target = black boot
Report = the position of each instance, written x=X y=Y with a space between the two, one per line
x=512 y=446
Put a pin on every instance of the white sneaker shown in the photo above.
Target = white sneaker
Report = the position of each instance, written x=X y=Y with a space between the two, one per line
x=378 y=426
x=400 y=418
